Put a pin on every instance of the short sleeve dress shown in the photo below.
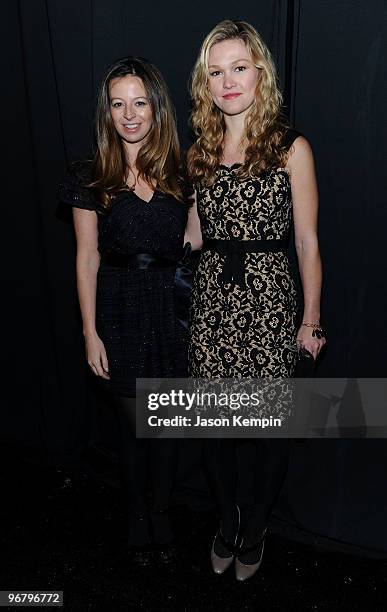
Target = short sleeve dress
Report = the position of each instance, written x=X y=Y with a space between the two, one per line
x=136 y=307
x=244 y=327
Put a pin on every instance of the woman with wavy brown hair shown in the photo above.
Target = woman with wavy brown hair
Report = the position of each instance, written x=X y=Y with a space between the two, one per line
x=129 y=219
x=252 y=176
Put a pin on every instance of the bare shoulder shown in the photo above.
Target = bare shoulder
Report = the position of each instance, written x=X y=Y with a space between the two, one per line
x=300 y=147
x=300 y=153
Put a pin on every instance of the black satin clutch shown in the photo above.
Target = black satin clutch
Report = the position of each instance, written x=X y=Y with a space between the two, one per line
x=305 y=362
x=305 y=355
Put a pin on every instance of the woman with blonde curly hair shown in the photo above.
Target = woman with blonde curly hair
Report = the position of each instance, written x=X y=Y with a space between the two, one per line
x=252 y=176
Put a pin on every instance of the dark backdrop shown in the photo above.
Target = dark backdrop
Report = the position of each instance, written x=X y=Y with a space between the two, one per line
x=331 y=67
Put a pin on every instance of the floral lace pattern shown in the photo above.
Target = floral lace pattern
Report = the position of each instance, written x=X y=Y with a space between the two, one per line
x=244 y=332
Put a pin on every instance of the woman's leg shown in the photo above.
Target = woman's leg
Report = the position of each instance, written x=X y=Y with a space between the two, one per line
x=133 y=455
x=220 y=463
x=272 y=460
x=163 y=460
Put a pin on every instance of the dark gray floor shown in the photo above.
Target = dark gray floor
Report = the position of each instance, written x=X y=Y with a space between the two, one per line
x=63 y=530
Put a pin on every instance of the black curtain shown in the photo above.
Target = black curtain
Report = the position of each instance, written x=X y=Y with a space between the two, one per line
x=337 y=488
x=330 y=62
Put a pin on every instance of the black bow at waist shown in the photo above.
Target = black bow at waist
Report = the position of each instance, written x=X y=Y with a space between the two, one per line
x=234 y=252
x=145 y=261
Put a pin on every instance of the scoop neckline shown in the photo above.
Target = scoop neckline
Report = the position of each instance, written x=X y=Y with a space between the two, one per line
x=237 y=164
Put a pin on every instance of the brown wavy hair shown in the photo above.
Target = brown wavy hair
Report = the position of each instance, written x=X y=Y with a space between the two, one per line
x=264 y=124
x=158 y=160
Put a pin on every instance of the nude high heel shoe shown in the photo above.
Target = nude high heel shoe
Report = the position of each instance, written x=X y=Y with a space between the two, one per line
x=221 y=564
x=244 y=571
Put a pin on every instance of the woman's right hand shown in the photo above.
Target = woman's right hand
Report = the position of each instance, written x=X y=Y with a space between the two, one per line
x=96 y=355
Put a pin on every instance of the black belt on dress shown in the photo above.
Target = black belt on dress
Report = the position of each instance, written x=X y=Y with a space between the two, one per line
x=145 y=261
x=235 y=251
x=137 y=261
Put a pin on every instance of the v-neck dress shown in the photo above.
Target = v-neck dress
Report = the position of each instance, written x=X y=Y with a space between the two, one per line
x=135 y=308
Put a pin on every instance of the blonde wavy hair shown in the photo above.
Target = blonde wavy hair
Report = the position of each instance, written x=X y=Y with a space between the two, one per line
x=158 y=160
x=264 y=125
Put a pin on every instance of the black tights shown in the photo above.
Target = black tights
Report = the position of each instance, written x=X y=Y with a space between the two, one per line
x=145 y=463
x=269 y=464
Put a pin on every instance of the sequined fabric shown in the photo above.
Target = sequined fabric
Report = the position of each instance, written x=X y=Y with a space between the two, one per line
x=135 y=309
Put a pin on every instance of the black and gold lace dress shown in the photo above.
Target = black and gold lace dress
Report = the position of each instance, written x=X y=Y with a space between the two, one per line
x=244 y=307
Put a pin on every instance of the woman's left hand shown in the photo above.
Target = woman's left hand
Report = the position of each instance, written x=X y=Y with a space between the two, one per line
x=309 y=342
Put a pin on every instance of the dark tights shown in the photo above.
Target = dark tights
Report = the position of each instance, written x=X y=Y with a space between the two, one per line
x=145 y=463
x=269 y=462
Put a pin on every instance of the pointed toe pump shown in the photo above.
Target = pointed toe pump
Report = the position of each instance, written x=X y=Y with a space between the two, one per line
x=221 y=563
x=245 y=570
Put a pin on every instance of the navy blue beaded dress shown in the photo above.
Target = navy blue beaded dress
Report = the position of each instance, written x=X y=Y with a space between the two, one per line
x=136 y=316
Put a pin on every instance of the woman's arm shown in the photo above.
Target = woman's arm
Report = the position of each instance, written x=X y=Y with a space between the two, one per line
x=305 y=210
x=193 y=232
x=87 y=265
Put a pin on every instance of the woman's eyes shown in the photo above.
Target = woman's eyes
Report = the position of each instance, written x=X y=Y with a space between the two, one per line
x=137 y=103
x=215 y=73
